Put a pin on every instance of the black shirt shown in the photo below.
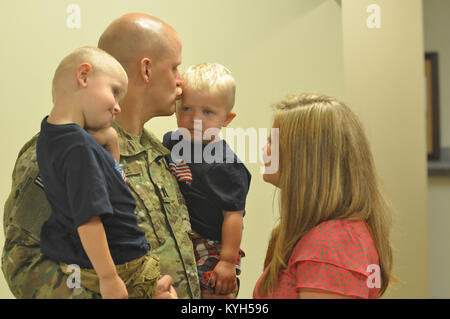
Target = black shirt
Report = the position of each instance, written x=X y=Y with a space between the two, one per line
x=212 y=179
x=82 y=180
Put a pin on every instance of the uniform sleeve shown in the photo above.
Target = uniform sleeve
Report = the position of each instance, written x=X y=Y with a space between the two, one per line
x=229 y=184
x=86 y=185
x=333 y=260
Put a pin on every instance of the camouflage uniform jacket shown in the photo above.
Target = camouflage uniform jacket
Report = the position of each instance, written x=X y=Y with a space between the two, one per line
x=160 y=210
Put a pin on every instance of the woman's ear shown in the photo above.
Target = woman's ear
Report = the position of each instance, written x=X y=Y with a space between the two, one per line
x=145 y=69
x=82 y=74
x=229 y=118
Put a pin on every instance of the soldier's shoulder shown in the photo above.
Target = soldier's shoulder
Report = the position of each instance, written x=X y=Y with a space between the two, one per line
x=29 y=145
x=156 y=145
x=26 y=159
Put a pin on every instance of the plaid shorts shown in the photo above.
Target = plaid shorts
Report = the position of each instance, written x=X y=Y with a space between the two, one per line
x=207 y=255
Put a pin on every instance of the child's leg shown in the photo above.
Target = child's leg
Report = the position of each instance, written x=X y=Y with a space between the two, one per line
x=207 y=295
x=207 y=255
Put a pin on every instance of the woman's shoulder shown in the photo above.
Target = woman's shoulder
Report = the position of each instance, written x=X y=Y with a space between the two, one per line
x=344 y=243
x=343 y=230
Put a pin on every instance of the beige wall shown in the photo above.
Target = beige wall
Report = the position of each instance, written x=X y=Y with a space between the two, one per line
x=437 y=31
x=384 y=81
x=272 y=50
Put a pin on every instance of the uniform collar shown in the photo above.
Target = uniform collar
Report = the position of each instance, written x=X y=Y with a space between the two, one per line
x=131 y=145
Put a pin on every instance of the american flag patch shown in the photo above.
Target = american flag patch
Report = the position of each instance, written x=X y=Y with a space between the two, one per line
x=181 y=171
x=120 y=171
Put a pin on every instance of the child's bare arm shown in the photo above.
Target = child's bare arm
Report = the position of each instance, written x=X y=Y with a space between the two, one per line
x=108 y=138
x=93 y=238
x=224 y=274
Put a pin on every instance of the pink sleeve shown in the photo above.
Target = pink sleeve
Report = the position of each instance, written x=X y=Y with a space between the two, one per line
x=334 y=257
x=331 y=278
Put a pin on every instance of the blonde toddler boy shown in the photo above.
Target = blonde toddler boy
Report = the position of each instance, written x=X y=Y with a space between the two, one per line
x=213 y=180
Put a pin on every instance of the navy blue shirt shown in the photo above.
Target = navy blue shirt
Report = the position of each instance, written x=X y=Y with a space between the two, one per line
x=82 y=180
x=212 y=179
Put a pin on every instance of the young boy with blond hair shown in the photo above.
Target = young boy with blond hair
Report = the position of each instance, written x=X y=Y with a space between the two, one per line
x=213 y=180
x=92 y=224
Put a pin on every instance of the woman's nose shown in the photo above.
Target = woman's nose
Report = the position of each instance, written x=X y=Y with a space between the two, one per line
x=266 y=153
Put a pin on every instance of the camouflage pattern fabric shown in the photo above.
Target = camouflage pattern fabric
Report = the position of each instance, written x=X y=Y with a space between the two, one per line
x=139 y=275
x=161 y=213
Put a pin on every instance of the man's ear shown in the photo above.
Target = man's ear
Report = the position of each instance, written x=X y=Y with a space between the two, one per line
x=229 y=118
x=82 y=74
x=145 y=69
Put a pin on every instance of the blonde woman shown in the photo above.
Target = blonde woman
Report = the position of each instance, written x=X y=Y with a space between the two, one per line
x=332 y=239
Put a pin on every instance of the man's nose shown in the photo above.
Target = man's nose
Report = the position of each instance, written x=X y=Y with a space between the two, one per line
x=179 y=79
x=179 y=83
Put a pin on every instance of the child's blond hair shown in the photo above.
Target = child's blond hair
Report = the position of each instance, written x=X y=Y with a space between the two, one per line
x=97 y=58
x=210 y=77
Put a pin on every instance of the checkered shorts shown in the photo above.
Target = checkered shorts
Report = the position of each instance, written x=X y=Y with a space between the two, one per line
x=207 y=255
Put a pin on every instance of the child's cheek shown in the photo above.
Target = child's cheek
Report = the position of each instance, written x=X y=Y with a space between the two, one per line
x=183 y=121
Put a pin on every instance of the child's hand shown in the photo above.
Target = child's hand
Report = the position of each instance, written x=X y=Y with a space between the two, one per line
x=105 y=136
x=108 y=138
x=113 y=288
x=223 y=277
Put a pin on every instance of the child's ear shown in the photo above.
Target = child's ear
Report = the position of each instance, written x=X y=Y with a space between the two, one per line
x=229 y=118
x=82 y=74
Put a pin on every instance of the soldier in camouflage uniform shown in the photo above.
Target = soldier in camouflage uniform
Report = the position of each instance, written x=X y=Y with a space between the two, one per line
x=160 y=210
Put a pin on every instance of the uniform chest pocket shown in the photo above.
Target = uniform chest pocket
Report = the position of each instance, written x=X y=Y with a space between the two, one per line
x=132 y=169
x=150 y=208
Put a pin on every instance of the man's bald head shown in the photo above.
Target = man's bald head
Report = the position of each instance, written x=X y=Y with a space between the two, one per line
x=135 y=35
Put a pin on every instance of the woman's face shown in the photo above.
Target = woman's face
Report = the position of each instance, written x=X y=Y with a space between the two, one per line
x=271 y=161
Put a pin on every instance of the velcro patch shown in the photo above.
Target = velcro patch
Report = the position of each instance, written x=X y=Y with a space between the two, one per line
x=38 y=181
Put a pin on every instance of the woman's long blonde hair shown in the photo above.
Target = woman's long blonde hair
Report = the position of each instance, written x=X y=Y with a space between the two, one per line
x=327 y=172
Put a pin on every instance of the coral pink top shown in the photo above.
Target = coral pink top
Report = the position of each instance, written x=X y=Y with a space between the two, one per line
x=337 y=256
